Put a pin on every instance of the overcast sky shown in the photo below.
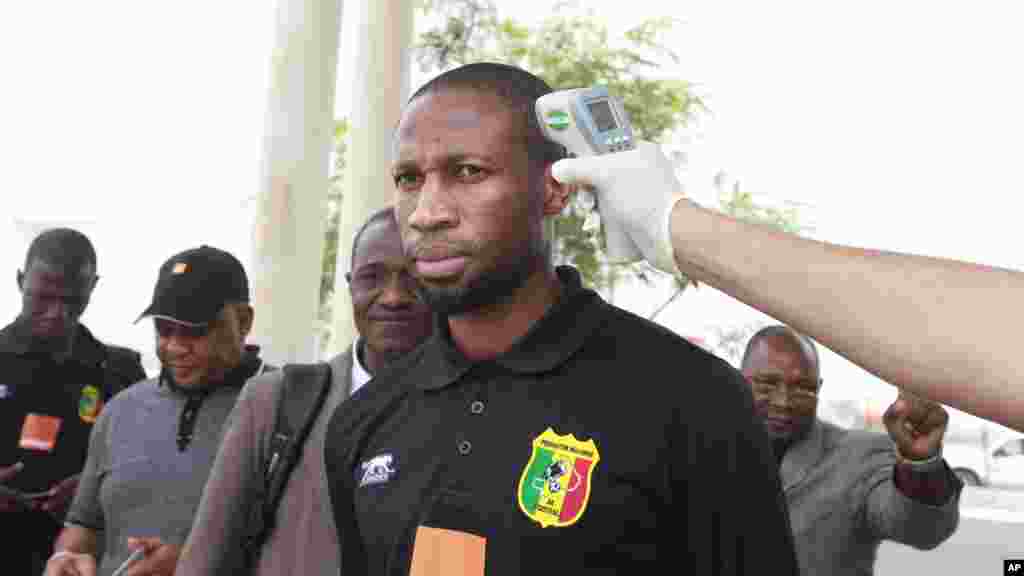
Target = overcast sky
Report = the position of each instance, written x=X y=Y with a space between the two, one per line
x=899 y=122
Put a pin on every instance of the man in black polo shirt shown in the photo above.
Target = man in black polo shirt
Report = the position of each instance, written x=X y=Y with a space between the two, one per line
x=54 y=379
x=541 y=430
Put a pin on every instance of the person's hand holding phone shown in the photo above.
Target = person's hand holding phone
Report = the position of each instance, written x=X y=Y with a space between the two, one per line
x=70 y=564
x=159 y=558
x=10 y=500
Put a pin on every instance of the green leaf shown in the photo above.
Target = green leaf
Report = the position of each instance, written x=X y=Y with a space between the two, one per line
x=571 y=49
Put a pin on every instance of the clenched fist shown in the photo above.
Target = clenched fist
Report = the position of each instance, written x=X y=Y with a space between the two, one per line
x=916 y=425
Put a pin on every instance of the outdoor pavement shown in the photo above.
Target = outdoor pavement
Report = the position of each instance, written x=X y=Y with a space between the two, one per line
x=991 y=530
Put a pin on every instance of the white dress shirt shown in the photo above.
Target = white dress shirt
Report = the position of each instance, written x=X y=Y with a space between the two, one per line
x=360 y=375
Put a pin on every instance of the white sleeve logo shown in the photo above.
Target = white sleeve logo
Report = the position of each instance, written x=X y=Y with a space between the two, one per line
x=377 y=470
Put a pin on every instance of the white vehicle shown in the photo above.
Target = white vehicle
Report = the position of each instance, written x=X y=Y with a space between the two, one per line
x=996 y=459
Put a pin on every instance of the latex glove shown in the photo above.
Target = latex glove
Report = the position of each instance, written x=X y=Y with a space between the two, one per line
x=916 y=426
x=636 y=191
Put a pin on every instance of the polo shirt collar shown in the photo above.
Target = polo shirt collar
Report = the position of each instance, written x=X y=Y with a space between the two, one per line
x=549 y=343
x=15 y=338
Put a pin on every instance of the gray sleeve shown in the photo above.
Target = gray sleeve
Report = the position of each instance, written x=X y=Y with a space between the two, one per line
x=892 y=515
x=86 y=509
x=215 y=544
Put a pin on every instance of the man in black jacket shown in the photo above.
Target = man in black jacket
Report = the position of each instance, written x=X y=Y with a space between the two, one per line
x=55 y=376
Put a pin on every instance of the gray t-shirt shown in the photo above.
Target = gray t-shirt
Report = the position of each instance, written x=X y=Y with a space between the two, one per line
x=136 y=481
x=304 y=540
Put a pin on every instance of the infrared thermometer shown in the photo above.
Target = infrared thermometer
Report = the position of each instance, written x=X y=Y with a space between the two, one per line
x=590 y=122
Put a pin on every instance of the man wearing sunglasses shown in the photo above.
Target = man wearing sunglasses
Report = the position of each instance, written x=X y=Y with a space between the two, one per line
x=152 y=448
x=847 y=491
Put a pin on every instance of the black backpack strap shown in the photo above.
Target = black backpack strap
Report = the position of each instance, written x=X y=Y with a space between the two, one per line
x=304 y=388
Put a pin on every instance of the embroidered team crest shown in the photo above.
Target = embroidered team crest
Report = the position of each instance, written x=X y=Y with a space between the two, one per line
x=89 y=404
x=555 y=485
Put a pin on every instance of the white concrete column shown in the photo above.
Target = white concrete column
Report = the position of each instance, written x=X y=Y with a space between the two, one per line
x=288 y=231
x=379 y=78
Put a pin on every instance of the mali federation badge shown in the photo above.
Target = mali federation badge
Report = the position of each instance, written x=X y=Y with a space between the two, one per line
x=89 y=404
x=555 y=485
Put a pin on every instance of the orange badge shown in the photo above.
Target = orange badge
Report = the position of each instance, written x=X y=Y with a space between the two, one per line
x=39 y=432
x=441 y=552
x=180 y=268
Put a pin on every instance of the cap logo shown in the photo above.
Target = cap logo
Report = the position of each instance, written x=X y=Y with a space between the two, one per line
x=180 y=268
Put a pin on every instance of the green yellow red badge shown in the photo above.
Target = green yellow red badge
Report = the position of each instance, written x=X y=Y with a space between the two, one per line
x=555 y=485
x=89 y=404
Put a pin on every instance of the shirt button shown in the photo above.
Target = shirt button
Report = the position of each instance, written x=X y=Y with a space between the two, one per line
x=465 y=447
x=477 y=407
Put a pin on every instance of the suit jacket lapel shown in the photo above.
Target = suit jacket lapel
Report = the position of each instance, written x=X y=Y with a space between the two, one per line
x=802 y=456
x=341 y=371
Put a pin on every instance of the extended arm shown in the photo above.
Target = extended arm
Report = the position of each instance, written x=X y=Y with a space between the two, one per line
x=912 y=321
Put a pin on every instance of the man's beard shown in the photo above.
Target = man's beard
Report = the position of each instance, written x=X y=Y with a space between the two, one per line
x=491 y=287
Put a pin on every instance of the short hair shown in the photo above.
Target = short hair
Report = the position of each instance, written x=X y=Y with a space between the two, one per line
x=63 y=247
x=777 y=331
x=384 y=216
x=515 y=86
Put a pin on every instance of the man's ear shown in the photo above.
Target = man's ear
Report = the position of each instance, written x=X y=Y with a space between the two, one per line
x=246 y=316
x=21 y=281
x=556 y=194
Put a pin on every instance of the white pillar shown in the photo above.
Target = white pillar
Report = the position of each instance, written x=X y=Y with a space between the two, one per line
x=379 y=77
x=288 y=232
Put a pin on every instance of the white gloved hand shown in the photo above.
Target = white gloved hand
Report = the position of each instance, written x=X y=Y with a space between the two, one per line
x=636 y=191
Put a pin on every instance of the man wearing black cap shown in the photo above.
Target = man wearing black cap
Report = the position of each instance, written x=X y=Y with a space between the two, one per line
x=55 y=377
x=152 y=448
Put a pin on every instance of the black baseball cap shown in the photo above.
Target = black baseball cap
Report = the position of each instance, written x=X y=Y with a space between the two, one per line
x=194 y=286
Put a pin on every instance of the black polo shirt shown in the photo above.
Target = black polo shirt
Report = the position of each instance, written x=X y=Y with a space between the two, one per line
x=68 y=395
x=600 y=443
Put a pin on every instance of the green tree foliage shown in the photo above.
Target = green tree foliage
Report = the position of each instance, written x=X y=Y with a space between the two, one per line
x=334 y=196
x=740 y=205
x=569 y=50
x=335 y=193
